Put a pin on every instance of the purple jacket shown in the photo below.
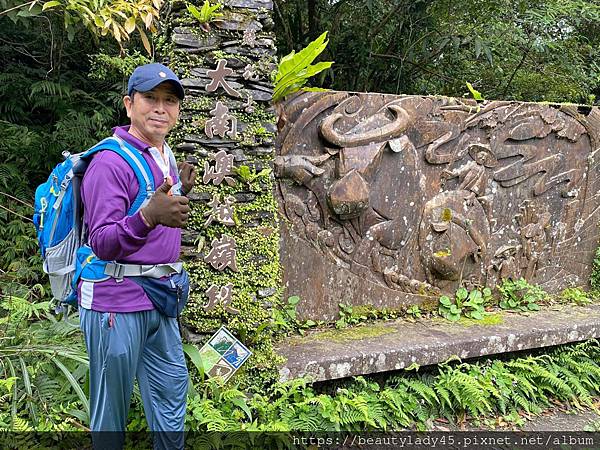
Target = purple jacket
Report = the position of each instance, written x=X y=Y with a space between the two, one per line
x=108 y=188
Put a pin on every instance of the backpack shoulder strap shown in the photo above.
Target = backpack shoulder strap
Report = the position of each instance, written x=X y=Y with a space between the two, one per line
x=137 y=163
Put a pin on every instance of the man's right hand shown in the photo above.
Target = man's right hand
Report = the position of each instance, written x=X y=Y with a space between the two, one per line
x=164 y=209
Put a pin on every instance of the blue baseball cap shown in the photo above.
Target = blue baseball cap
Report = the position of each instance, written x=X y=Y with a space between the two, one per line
x=147 y=77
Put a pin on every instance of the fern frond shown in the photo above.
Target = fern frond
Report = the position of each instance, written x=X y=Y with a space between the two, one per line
x=400 y=408
x=426 y=392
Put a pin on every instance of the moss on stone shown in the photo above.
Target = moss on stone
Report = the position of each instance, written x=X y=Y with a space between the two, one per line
x=488 y=319
x=257 y=229
x=430 y=304
x=353 y=333
x=443 y=253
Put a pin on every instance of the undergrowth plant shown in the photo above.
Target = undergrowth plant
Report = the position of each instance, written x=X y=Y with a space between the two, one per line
x=414 y=311
x=286 y=320
x=455 y=391
x=251 y=177
x=46 y=361
x=205 y=14
x=528 y=384
x=519 y=295
x=470 y=304
x=348 y=316
x=575 y=295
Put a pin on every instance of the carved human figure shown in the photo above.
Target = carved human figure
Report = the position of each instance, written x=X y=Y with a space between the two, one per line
x=533 y=236
x=505 y=264
x=453 y=239
x=473 y=176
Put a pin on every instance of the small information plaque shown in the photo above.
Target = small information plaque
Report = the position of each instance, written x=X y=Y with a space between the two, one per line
x=223 y=354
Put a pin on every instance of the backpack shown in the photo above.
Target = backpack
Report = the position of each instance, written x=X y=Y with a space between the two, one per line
x=58 y=218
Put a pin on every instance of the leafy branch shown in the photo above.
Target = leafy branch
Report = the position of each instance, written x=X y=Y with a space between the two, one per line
x=206 y=14
x=120 y=18
x=295 y=69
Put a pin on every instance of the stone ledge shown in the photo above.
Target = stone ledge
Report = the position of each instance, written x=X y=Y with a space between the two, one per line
x=394 y=345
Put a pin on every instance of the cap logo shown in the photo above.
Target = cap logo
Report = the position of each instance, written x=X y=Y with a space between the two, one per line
x=162 y=74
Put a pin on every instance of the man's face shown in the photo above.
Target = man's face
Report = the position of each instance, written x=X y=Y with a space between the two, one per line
x=153 y=113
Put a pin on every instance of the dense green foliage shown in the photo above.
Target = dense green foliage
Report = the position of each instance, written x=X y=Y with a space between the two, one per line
x=59 y=91
x=453 y=390
x=45 y=368
x=508 y=49
x=61 y=84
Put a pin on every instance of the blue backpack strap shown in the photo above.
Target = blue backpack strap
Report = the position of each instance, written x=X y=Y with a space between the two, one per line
x=88 y=266
x=138 y=164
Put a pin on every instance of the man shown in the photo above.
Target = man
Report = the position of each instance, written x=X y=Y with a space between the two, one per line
x=126 y=337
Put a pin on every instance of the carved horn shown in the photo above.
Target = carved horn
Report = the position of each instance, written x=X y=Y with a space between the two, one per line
x=384 y=133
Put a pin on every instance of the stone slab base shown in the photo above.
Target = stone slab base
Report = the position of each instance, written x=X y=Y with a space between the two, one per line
x=393 y=345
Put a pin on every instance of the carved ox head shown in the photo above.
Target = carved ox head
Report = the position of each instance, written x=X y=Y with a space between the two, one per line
x=361 y=151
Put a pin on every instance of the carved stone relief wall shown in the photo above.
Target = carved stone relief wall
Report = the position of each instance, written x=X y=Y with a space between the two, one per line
x=391 y=200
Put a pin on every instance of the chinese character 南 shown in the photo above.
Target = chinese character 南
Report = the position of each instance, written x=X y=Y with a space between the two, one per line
x=222 y=295
x=219 y=124
x=217 y=77
x=222 y=169
x=222 y=254
x=220 y=212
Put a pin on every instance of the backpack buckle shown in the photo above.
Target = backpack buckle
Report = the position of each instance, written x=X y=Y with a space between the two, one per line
x=65 y=182
x=115 y=270
x=119 y=272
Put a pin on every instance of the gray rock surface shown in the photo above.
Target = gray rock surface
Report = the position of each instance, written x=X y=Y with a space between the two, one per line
x=396 y=345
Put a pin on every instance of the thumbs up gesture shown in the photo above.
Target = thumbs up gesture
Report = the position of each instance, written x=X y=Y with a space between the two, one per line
x=165 y=209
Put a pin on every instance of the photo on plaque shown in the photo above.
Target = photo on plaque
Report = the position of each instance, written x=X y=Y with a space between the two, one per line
x=237 y=354
x=221 y=369
x=222 y=341
x=209 y=357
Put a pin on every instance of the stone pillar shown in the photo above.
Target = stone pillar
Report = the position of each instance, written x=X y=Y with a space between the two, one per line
x=227 y=129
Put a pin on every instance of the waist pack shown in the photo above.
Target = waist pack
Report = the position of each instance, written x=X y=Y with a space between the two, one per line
x=168 y=294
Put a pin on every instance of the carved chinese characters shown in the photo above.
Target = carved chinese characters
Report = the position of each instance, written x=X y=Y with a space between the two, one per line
x=219 y=124
x=220 y=296
x=227 y=127
x=222 y=254
x=220 y=171
x=392 y=200
x=217 y=77
x=220 y=212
